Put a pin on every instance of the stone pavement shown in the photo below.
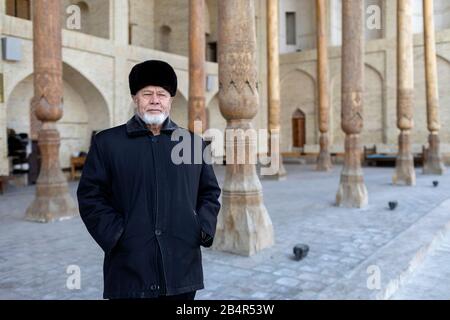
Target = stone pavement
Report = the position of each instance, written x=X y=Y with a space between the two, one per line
x=431 y=281
x=34 y=258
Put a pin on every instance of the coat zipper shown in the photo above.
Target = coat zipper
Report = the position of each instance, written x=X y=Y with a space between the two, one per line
x=156 y=218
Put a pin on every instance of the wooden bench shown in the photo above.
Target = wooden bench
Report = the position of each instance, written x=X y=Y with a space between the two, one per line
x=3 y=183
x=76 y=163
x=335 y=155
x=372 y=158
x=291 y=154
x=419 y=159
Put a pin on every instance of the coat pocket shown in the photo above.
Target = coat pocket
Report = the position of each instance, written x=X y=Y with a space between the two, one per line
x=122 y=235
x=197 y=221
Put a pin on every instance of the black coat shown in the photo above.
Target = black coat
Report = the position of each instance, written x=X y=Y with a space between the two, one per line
x=149 y=215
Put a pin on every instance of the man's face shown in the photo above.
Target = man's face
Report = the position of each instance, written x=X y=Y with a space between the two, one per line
x=153 y=104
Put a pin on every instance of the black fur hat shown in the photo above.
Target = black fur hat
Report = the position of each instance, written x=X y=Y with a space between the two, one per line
x=153 y=73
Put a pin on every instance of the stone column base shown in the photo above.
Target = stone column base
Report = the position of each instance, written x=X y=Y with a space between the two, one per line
x=433 y=163
x=279 y=174
x=352 y=192
x=52 y=203
x=244 y=227
x=324 y=158
x=404 y=166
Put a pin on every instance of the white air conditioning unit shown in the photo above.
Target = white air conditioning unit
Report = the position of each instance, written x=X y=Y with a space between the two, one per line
x=11 y=49
x=209 y=82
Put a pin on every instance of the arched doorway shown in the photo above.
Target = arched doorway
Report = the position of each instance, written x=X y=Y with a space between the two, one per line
x=84 y=111
x=296 y=81
x=298 y=130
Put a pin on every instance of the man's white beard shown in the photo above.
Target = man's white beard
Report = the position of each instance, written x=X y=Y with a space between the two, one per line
x=153 y=119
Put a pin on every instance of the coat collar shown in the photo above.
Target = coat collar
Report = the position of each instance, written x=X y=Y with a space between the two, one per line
x=136 y=127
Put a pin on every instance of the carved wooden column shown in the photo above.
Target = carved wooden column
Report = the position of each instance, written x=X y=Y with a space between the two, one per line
x=273 y=80
x=324 y=159
x=433 y=161
x=244 y=226
x=52 y=201
x=404 y=171
x=352 y=190
x=197 y=64
x=34 y=157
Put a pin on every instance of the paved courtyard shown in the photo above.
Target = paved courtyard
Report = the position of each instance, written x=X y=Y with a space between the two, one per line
x=432 y=278
x=370 y=253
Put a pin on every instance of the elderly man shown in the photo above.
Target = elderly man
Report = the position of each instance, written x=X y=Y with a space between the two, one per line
x=149 y=215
